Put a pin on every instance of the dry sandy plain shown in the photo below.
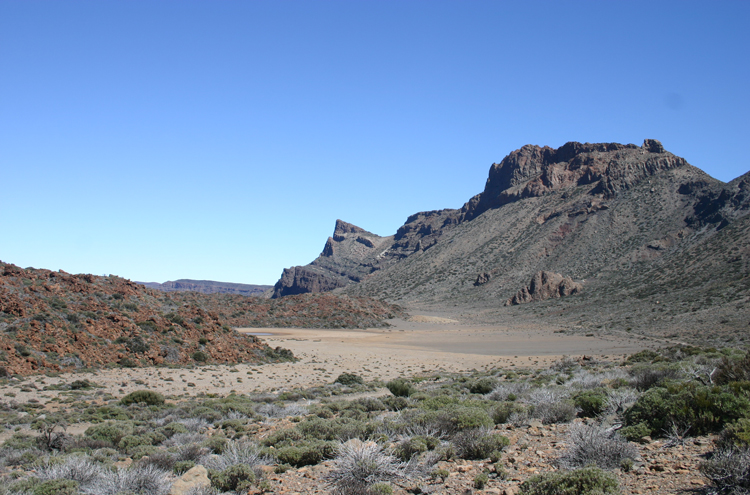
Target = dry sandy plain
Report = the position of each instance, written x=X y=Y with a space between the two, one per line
x=421 y=345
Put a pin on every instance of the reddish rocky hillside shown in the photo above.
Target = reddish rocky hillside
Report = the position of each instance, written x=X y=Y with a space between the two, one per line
x=58 y=321
x=302 y=311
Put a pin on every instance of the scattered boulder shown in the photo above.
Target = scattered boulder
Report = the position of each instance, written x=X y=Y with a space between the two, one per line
x=545 y=285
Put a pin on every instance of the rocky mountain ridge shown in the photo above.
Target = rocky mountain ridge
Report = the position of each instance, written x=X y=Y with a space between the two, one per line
x=207 y=287
x=630 y=223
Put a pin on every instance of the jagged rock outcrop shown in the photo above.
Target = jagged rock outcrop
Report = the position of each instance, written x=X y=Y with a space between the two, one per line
x=303 y=279
x=605 y=168
x=545 y=285
x=483 y=278
x=350 y=255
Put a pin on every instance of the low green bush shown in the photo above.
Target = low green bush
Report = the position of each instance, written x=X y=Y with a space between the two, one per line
x=148 y=397
x=349 y=379
x=481 y=480
x=735 y=435
x=380 y=489
x=128 y=443
x=110 y=432
x=181 y=467
x=585 y=481
x=305 y=453
x=591 y=403
x=400 y=387
x=200 y=356
x=239 y=478
x=454 y=418
x=503 y=411
x=478 y=444
x=34 y=486
x=410 y=447
x=483 y=386
x=705 y=409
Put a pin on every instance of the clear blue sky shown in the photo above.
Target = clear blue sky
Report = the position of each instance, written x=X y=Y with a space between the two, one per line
x=221 y=140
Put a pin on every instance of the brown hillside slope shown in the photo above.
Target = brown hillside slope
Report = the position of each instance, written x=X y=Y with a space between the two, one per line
x=58 y=321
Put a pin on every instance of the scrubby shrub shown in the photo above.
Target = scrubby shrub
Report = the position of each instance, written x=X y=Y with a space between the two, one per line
x=645 y=356
x=502 y=413
x=280 y=354
x=551 y=405
x=305 y=453
x=735 y=435
x=181 y=467
x=479 y=443
x=704 y=409
x=652 y=375
x=237 y=452
x=140 y=480
x=111 y=433
x=590 y=403
x=595 y=445
x=400 y=387
x=483 y=386
x=586 y=481
x=199 y=356
x=452 y=418
x=359 y=465
x=481 y=480
x=733 y=370
x=394 y=403
x=729 y=471
x=635 y=432
x=349 y=379
x=508 y=391
x=414 y=446
x=380 y=489
x=128 y=443
x=77 y=468
x=239 y=478
x=334 y=429
x=81 y=385
x=148 y=397
x=34 y=486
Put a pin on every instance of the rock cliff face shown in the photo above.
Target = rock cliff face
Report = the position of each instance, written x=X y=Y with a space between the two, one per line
x=350 y=255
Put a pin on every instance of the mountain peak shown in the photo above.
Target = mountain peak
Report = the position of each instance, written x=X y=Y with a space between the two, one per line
x=533 y=171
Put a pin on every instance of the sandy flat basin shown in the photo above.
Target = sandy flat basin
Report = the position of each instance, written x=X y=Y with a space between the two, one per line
x=408 y=348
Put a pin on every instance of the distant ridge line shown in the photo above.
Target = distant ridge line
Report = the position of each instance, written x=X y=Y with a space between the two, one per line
x=208 y=287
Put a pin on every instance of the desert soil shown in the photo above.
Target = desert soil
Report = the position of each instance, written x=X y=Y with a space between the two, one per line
x=422 y=345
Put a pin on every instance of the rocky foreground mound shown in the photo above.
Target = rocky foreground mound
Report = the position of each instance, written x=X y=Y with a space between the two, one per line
x=57 y=321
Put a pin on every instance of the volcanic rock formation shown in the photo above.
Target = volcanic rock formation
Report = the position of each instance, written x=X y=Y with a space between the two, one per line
x=545 y=285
